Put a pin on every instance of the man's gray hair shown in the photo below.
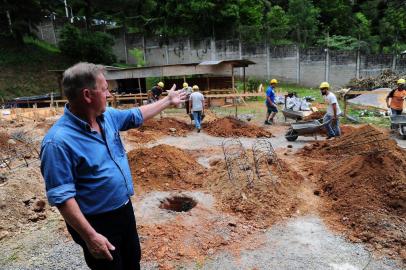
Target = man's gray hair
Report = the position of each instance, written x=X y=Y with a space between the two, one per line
x=78 y=77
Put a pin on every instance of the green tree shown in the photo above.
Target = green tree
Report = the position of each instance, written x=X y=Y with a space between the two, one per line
x=303 y=17
x=19 y=17
x=277 y=25
x=79 y=45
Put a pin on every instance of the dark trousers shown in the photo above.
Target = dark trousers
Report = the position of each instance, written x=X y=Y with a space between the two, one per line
x=396 y=112
x=187 y=106
x=119 y=227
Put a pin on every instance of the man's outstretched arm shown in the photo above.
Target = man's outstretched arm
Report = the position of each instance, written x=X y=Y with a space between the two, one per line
x=173 y=98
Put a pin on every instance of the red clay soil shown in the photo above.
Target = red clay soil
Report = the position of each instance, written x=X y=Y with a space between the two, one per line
x=190 y=239
x=314 y=116
x=364 y=190
x=231 y=127
x=141 y=137
x=164 y=167
x=166 y=126
x=270 y=199
x=4 y=137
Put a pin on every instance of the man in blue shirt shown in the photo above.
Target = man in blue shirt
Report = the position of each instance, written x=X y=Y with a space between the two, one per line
x=86 y=171
x=272 y=109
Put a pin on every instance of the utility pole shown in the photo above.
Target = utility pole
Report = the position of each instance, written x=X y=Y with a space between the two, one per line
x=66 y=9
x=9 y=21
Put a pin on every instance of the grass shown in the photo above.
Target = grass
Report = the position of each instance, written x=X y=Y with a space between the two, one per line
x=41 y=44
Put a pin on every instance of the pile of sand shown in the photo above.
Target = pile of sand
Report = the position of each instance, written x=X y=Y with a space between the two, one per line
x=270 y=199
x=232 y=127
x=165 y=167
x=365 y=189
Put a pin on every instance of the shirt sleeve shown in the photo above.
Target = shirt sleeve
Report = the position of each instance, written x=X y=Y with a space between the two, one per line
x=126 y=119
x=57 y=170
x=332 y=99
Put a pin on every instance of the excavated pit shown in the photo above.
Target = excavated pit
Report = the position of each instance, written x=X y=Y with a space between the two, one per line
x=178 y=204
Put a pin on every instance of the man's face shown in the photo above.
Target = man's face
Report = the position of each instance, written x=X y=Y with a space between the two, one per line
x=401 y=86
x=323 y=91
x=100 y=95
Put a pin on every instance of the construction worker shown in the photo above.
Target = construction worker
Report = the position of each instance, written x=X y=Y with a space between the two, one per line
x=396 y=98
x=196 y=106
x=333 y=111
x=86 y=171
x=157 y=91
x=188 y=90
x=272 y=109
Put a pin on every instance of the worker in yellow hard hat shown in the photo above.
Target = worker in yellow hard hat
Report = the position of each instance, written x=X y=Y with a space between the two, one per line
x=272 y=109
x=188 y=90
x=396 y=98
x=157 y=91
x=196 y=106
x=333 y=111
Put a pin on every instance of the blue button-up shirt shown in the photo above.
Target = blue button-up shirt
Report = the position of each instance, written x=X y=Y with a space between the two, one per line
x=92 y=167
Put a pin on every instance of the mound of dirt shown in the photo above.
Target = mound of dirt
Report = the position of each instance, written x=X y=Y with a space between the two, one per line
x=360 y=140
x=166 y=126
x=364 y=188
x=164 y=167
x=271 y=198
x=232 y=127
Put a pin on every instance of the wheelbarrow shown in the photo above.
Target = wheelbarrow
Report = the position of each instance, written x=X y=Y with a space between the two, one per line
x=295 y=115
x=398 y=123
x=305 y=128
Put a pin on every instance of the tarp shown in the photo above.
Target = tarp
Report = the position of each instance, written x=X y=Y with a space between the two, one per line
x=377 y=100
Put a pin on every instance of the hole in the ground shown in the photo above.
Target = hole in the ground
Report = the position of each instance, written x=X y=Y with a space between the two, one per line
x=178 y=204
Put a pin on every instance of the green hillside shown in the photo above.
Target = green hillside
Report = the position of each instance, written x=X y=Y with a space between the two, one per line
x=24 y=69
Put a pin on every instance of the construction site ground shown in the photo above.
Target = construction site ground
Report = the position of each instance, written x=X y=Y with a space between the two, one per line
x=313 y=204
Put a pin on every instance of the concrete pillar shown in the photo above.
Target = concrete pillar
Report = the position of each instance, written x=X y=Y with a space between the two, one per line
x=358 y=64
x=213 y=49
x=268 y=64
x=394 y=62
x=297 y=64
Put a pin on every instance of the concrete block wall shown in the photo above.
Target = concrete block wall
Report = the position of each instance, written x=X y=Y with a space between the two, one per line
x=289 y=64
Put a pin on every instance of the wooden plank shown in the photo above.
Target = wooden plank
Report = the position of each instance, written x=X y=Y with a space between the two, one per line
x=366 y=92
x=235 y=95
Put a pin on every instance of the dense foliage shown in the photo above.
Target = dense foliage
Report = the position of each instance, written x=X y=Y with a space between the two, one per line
x=80 y=45
x=373 y=25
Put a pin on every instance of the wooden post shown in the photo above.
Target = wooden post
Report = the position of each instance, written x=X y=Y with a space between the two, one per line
x=345 y=105
x=232 y=85
x=52 y=100
x=244 y=79
x=139 y=87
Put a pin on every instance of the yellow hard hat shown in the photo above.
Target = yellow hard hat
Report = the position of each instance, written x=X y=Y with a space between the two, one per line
x=324 y=85
x=185 y=85
x=401 y=81
x=274 y=81
x=161 y=84
x=195 y=87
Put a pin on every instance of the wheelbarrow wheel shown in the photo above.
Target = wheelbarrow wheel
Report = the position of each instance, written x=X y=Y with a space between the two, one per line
x=291 y=135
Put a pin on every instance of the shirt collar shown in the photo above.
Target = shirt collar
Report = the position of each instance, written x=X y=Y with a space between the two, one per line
x=76 y=120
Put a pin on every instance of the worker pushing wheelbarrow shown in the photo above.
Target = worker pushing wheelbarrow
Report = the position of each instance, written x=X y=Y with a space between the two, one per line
x=305 y=128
